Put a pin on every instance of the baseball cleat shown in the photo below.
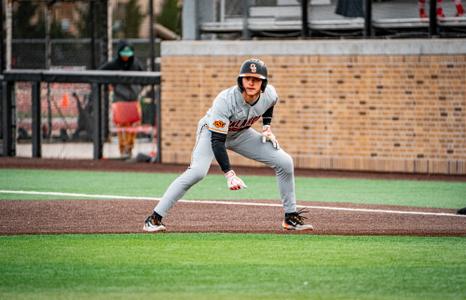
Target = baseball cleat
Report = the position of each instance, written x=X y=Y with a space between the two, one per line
x=152 y=224
x=295 y=221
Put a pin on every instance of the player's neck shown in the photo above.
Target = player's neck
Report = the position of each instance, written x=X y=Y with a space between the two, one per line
x=251 y=100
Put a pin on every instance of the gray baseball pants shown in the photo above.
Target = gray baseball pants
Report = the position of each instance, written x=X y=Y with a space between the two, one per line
x=247 y=143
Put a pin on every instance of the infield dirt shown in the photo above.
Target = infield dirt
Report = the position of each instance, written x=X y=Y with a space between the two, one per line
x=127 y=216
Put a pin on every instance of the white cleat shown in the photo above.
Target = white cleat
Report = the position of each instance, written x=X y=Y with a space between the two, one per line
x=287 y=226
x=153 y=225
x=295 y=221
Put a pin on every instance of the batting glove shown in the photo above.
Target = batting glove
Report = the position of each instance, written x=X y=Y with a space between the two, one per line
x=233 y=181
x=268 y=136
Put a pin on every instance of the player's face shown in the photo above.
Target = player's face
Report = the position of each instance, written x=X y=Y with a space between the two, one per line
x=252 y=86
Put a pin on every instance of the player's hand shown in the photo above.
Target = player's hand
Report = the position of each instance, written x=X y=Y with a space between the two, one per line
x=268 y=136
x=233 y=181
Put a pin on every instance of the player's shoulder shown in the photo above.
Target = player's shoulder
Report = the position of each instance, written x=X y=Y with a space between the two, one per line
x=226 y=99
x=271 y=91
x=228 y=91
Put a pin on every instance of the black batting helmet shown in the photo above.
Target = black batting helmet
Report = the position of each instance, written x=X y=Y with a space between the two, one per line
x=253 y=67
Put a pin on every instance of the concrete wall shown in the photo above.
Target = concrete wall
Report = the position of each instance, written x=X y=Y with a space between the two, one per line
x=376 y=105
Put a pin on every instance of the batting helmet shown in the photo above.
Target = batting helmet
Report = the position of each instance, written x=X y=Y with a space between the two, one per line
x=253 y=67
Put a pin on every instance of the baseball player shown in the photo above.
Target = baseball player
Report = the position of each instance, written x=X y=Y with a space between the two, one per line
x=227 y=125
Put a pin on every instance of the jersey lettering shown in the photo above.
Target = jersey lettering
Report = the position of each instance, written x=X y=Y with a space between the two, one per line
x=241 y=124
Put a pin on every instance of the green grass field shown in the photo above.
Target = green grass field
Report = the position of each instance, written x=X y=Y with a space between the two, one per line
x=370 y=191
x=232 y=266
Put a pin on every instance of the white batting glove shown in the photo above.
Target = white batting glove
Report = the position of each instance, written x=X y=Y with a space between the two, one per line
x=233 y=181
x=268 y=136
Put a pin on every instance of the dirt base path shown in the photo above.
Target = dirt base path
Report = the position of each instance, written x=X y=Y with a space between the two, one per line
x=127 y=216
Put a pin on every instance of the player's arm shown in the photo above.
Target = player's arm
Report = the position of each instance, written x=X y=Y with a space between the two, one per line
x=267 y=116
x=267 y=134
x=220 y=152
x=218 y=120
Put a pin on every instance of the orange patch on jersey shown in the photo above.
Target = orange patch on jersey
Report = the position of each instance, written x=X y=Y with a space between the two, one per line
x=219 y=124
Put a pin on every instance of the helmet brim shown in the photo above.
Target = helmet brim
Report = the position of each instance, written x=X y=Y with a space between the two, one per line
x=252 y=75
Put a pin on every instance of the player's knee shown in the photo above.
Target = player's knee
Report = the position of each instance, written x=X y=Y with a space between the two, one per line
x=197 y=174
x=285 y=163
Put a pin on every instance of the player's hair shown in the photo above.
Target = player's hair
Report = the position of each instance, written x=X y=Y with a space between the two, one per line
x=253 y=67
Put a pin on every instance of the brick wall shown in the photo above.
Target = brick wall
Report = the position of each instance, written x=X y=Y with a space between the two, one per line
x=391 y=113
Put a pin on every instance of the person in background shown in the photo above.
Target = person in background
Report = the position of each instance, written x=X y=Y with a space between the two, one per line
x=440 y=14
x=126 y=110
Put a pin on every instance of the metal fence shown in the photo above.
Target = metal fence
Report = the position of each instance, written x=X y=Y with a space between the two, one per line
x=33 y=114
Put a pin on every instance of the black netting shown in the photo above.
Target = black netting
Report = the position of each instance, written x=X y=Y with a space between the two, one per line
x=28 y=54
x=72 y=53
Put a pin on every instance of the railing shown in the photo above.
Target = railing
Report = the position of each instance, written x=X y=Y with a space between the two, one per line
x=389 y=18
x=36 y=77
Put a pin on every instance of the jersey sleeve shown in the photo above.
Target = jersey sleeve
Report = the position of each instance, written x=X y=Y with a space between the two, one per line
x=218 y=118
x=272 y=93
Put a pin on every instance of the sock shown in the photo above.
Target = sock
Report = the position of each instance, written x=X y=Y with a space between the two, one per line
x=157 y=216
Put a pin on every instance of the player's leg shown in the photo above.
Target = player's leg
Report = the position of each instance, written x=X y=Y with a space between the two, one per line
x=123 y=133
x=121 y=140
x=249 y=144
x=131 y=138
x=200 y=163
x=201 y=160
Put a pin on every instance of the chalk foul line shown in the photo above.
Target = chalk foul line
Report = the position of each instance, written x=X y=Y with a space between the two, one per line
x=119 y=197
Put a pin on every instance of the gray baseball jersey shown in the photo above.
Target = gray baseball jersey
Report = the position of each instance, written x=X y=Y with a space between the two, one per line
x=231 y=115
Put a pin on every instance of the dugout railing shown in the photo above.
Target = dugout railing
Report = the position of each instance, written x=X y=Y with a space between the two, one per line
x=97 y=79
